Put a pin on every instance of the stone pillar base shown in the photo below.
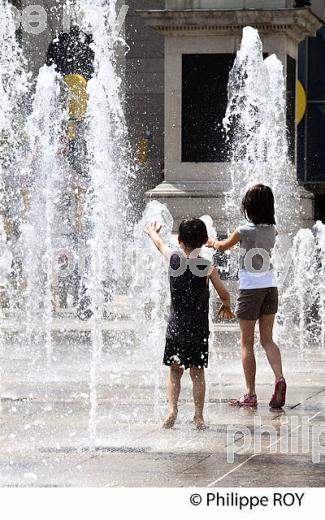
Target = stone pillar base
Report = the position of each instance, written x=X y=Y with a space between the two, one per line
x=192 y=200
x=195 y=199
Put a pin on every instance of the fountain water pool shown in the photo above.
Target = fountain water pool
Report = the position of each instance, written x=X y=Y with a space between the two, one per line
x=113 y=360
x=46 y=179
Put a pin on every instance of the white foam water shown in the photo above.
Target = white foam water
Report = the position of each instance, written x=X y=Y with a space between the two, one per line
x=150 y=293
x=255 y=123
x=13 y=91
x=108 y=161
x=44 y=168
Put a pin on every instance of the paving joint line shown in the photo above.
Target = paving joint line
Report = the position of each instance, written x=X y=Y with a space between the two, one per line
x=258 y=454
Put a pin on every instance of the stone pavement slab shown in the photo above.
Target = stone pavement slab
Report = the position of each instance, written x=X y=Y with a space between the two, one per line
x=44 y=422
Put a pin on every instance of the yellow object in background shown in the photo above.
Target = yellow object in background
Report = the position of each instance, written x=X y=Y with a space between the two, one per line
x=72 y=130
x=27 y=204
x=78 y=99
x=143 y=151
x=301 y=102
x=80 y=207
x=8 y=228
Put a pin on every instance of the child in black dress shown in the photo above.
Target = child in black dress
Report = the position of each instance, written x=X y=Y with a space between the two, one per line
x=187 y=338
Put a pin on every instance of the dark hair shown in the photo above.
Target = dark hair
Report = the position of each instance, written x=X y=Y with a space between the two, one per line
x=258 y=205
x=193 y=233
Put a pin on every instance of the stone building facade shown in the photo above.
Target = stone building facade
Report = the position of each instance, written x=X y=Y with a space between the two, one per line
x=145 y=88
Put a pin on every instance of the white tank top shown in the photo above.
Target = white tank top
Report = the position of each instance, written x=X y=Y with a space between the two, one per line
x=256 y=245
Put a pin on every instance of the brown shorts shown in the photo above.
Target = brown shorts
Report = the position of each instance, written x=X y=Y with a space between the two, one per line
x=252 y=303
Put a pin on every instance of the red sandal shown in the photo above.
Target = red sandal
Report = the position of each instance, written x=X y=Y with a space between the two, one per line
x=279 y=397
x=247 y=400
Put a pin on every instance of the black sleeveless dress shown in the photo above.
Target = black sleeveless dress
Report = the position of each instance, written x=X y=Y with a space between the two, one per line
x=187 y=337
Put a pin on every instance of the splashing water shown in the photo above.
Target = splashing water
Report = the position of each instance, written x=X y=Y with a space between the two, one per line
x=207 y=252
x=150 y=292
x=255 y=124
x=108 y=173
x=320 y=287
x=44 y=174
x=13 y=89
x=303 y=303
x=44 y=128
x=13 y=84
x=297 y=298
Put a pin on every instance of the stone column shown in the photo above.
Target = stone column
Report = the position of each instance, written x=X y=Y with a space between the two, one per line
x=215 y=26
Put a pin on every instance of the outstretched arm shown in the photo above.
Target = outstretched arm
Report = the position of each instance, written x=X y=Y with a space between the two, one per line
x=222 y=245
x=225 y=309
x=153 y=230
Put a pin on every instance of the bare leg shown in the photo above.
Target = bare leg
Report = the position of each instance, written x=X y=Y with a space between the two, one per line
x=272 y=350
x=198 y=379
x=247 y=328
x=173 y=391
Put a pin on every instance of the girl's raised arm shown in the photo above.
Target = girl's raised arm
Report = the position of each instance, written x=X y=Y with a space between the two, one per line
x=153 y=230
x=222 y=245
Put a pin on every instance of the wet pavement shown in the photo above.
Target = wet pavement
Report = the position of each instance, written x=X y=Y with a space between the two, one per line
x=44 y=430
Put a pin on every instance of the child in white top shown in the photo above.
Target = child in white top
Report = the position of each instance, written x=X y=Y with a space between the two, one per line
x=258 y=295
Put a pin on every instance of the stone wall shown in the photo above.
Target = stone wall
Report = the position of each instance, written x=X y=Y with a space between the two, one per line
x=228 y=4
x=145 y=98
x=318 y=6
